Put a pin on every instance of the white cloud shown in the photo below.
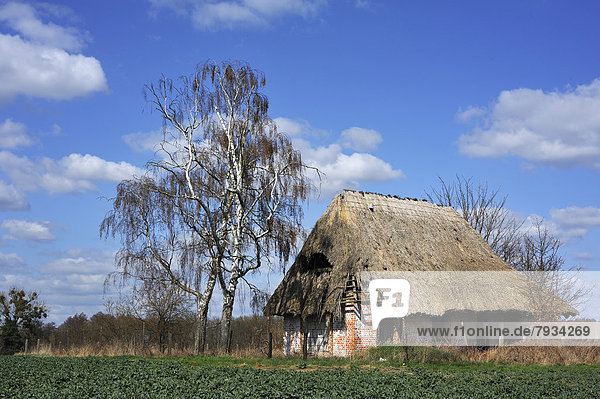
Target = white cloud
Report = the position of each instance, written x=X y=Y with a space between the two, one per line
x=584 y=256
x=36 y=62
x=470 y=113
x=298 y=128
x=12 y=135
x=154 y=142
x=567 y=224
x=56 y=130
x=341 y=170
x=178 y=6
x=23 y=19
x=141 y=142
x=289 y=127
x=576 y=221
x=73 y=173
x=65 y=294
x=530 y=223
x=278 y=7
x=360 y=139
x=90 y=167
x=41 y=71
x=28 y=231
x=216 y=15
x=81 y=261
x=555 y=128
x=71 y=283
x=348 y=171
x=12 y=199
x=228 y=15
x=10 y=262
x=566 y=236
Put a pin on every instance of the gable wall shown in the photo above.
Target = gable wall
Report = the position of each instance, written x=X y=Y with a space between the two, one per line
x=344 y=338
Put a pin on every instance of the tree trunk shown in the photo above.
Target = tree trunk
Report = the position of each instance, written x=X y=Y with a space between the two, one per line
x=230 y=287
x=200 y=334
x=201 y=324
x=202 y=311
x=227 y=312
x=226 y=316
x=235 y=164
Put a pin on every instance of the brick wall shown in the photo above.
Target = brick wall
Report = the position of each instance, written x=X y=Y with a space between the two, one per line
x=343 y=338
x=292 y=336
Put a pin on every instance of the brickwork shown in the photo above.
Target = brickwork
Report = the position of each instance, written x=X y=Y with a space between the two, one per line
x=292 y=336
x=337 y=345
x=342 y=338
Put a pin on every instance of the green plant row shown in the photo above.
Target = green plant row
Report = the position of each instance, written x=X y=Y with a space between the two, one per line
x=51 y=377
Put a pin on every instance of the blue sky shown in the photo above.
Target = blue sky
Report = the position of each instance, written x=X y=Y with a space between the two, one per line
x=381 y=96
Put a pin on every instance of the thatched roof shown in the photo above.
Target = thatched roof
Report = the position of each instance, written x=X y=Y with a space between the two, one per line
x=372 y=232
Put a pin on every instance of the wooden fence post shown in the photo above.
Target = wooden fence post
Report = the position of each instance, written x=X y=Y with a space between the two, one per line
x=38 y=346
x=170 y=343
x=26 y=345
x=270 y=353
x=304 y=336
x=229 y=342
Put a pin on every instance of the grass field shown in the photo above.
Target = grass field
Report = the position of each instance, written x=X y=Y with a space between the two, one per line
x=224 y=377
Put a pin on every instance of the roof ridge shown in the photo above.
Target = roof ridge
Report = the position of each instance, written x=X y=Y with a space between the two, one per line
x=387 y=196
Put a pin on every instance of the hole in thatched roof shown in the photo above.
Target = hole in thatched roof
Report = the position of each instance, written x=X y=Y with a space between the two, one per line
x=317 y=262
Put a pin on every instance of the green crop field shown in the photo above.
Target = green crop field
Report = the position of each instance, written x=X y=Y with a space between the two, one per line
x=54 y=377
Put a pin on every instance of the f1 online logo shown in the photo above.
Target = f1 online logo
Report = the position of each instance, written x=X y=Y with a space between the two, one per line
x=388 y=298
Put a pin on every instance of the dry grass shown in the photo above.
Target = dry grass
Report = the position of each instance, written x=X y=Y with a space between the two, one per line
x=134 y=349
x=526 y=355
x=546 y=355
x=114 y=349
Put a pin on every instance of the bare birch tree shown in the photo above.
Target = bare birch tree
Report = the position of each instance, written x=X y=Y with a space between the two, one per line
x=541 y=260
x=163 y=241
x=534 y=250
x=264 y=182
x=540 y=250
x=224 y=195
x=485 y=210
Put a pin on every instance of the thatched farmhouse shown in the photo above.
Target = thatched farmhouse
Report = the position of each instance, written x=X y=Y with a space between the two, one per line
x=359 y=233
